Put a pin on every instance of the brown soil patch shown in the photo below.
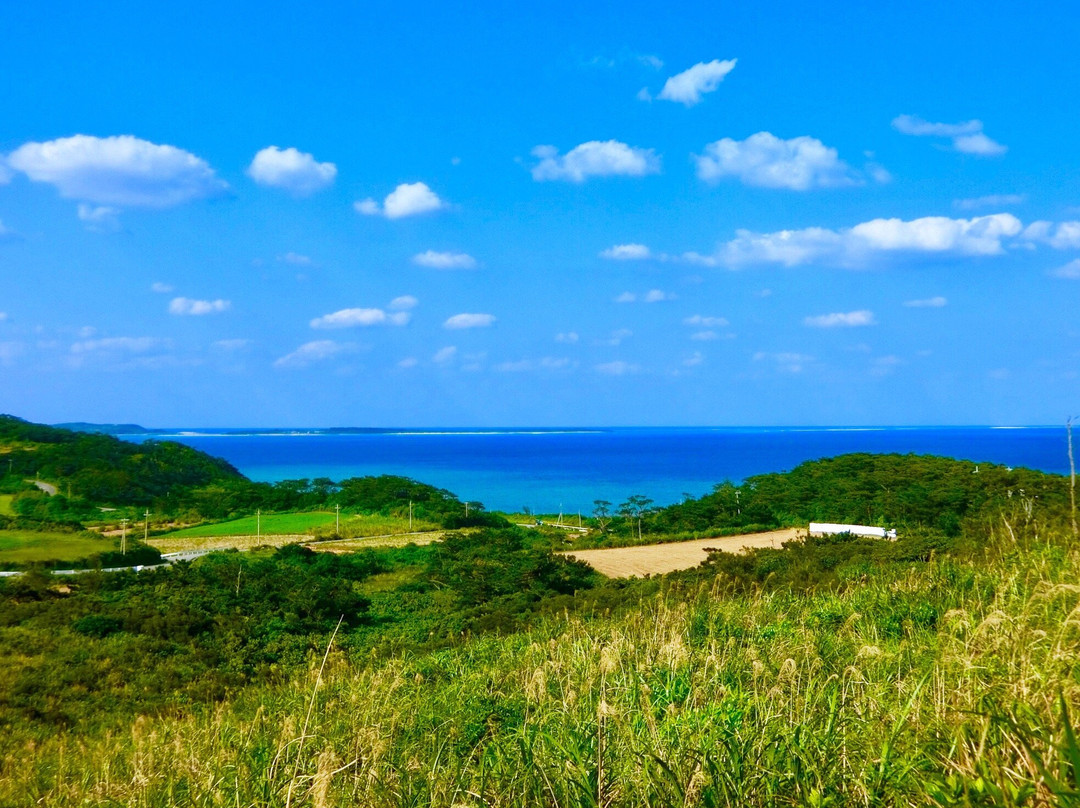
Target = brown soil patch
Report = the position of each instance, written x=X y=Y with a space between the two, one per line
x=657 y=559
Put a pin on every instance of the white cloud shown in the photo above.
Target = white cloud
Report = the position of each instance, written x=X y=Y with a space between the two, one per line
x=927 y=303
x=3 y=316
x=187 y=306
x=120 y=170
x=989 y=201
x=627 y=252
x=858 y=245
x=594 y=159
x=514 y=367
x=356 y=318
x=5 y=232
x=704 y=336
x=556 y=363
x=469 y=321
x=444 y=260
x=408 y=362
x=617 y=368
x=704 y=77
x=161 y=288
x=617 y=337
x=765 y=161
x=5 y=173
x=408 y=199
x=787 y=361
x=626 y=297
x=1062 y=236
x=444 y=355
x=10 y=351
x=841 y=319
x=696 y=359
x=296 y=259
x=1071 y=270
x=569 y=337
x=100 y=218
x=706 y=322
x=967 y=136
x=295 y=171
x=404 y=302
x=136 y=345
x=658 y=296
x=311 y=352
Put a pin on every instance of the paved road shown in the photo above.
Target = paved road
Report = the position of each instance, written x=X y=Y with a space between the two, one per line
x=48 y=488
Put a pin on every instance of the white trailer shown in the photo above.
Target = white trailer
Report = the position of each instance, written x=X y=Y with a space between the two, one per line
x=831 y=529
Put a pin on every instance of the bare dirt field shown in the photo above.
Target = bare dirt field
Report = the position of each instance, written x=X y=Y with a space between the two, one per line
x=657 y=559
x=168 y=545
x=394 y=540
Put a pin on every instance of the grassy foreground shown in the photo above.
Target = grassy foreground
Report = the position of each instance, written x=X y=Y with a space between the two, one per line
x=944 y=682
x=27 y=546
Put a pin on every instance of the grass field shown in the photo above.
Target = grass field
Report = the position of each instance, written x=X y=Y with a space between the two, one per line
x=5 y=505
x=268 y=525
x=24 y=546
x=659 y=559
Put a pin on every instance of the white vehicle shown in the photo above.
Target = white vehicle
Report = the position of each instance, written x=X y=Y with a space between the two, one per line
x=831 y=529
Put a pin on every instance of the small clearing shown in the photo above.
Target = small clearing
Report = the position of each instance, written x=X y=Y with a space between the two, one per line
x=658 y=559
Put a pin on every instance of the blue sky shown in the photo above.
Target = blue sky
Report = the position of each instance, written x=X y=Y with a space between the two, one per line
x=559 y=214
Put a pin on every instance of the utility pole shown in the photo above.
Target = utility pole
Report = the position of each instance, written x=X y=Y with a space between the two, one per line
x=258 y=524
x=123 y=536
x=337 y=520
x=466 y=509
x=146 y=525
x=410 y=516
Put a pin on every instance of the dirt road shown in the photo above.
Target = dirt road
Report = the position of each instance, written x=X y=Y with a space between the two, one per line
x=657 y=559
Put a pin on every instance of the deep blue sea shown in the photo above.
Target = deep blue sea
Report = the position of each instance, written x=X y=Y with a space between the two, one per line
x=549 y=470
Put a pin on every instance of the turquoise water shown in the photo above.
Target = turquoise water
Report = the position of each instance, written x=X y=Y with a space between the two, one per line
x=549 y=470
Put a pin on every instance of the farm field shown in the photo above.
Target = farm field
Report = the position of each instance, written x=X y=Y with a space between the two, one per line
x=658 y=559
x=25 y=546
x=267 y=524
x=5 y=505
x=365 y=543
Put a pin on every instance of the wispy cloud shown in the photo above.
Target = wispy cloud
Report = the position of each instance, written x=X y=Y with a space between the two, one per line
x=701 y=321
x=594 y=159
x=568 y=337
x=444 y=260
x=689 y=86
x=186 y=306
x=627 y=252
x=99 y=218
x=359 y=318
x=312 y=352
x=617 y=368
x=651 y=296
x=841 y=319
x=765 y=161
x=444 y=355
x=967 y=136
x=465 y=320
x=404 y=303
x=858 y=246
x=408 y=199
x=989 y=201
x=927 y=303
x=786 y=361
x=162 y=288
x=1070 y=271
x=292 y=170
x=1061 y=236
x=296 y=259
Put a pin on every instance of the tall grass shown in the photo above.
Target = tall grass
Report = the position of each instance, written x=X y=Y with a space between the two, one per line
x=946 y=683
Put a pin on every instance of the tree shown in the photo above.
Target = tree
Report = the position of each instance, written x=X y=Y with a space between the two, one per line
x=636 y=507
x=602 y=513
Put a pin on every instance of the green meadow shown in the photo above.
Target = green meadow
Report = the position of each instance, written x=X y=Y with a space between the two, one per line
x=27 y=546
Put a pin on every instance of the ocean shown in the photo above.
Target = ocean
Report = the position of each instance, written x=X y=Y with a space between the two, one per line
x=553 y=470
